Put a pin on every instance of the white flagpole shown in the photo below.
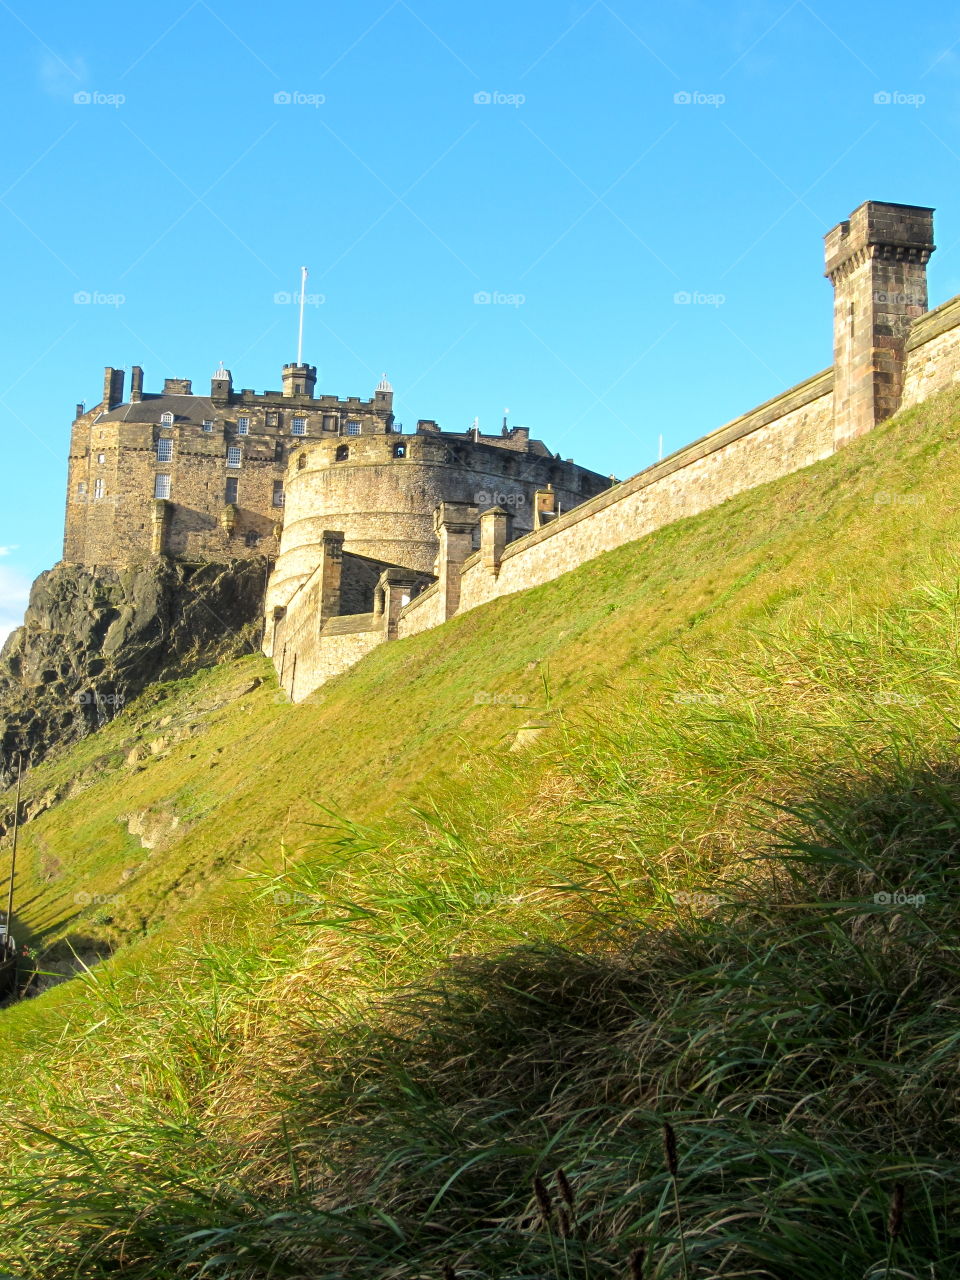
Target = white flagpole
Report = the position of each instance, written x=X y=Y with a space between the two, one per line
x=303 y=293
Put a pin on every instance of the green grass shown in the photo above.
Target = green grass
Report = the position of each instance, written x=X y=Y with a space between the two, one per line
x=384 y=971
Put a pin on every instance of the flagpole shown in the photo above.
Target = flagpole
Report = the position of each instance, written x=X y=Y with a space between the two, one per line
x=303 y=291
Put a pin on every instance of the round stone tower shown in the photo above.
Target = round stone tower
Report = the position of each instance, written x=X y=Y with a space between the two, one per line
x=381 y=491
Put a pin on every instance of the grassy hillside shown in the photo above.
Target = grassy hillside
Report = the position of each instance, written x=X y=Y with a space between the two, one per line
x=379 y=971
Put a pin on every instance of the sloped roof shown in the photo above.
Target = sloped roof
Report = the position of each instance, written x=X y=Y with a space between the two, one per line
x=192 y=409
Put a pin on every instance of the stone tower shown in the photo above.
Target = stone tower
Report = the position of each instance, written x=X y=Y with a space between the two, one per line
x=877 y=264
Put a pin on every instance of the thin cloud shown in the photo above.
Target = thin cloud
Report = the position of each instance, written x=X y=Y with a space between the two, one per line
x=62 y=77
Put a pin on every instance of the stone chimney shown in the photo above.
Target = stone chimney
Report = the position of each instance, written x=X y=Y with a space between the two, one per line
x=877 y=264
x=112 y=387
x=495 y=529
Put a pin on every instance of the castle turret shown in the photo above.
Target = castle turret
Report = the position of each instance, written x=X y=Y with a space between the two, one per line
x=877 y=263
x=383 y=396
x=299 y=380
x=221 y=385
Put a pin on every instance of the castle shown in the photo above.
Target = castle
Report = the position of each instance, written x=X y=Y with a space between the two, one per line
x=378 y=534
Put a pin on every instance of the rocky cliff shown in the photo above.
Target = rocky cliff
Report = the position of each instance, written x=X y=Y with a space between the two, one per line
x=93 y=639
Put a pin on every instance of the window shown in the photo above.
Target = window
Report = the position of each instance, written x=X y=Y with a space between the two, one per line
x=353 y=428
x=98 y=488
x=273 y=419
x=251 y=537
x=207 y=424
x=232 y=489
x=161 y=486
x=399 y=450
x=101 y=457
x=243 y=426
x=278 y=493
x=329 y=422
x=81 y=488
x=278 y=451
x=299 y=426
x=234 y=455
x=343 y=453
x=164 y=450
x=301 y=461
x=166 y=419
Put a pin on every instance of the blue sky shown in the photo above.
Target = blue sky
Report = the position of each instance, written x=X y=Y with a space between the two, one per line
x=581 y=163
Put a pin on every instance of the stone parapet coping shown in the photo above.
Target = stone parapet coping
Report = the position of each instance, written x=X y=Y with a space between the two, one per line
x=815 y=388
x=932 y=323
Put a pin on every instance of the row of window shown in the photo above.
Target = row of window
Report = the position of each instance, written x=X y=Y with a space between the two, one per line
x=343 y=453
x=235 y=453
x=162 y=484
x=298 y=426
x=231 y=491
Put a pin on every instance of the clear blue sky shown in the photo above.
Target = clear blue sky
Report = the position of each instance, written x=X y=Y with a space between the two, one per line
x=583 y=187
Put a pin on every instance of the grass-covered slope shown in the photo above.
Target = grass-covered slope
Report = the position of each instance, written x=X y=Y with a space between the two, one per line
x=719 y=891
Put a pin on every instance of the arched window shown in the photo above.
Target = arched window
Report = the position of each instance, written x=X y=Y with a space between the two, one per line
x=343 y=452
x=399 y=450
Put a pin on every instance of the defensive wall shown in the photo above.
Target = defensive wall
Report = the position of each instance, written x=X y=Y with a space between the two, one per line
x=890 y=352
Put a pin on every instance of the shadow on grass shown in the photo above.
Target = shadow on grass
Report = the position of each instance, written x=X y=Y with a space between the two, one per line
x=797 y=1027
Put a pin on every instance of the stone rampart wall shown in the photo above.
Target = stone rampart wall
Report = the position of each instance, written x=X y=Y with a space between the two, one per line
x=781 y=436
x=933 y=353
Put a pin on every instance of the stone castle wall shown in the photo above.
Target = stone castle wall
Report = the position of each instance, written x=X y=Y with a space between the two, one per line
x=933 y=353
x=308 y=650
x=383 y=493
x=916 y=355
x=119 y=524
x=784 y=435
x=239 y=439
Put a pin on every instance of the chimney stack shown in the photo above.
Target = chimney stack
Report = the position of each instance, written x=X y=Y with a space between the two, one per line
x=112 y=387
